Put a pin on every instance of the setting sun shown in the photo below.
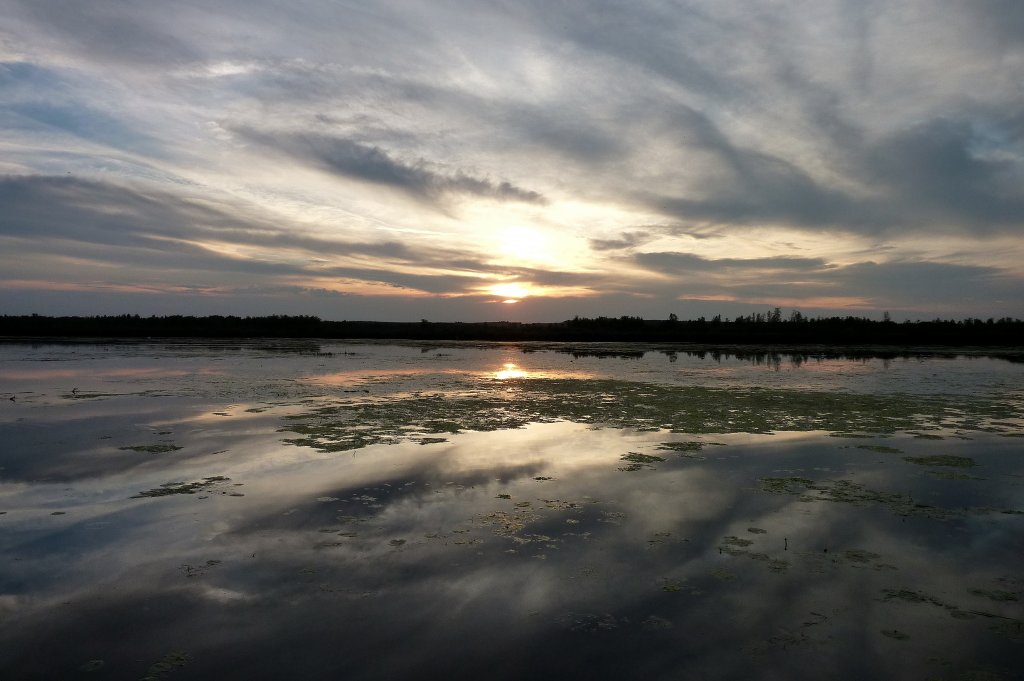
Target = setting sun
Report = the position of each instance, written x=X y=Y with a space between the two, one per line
x=510 y=292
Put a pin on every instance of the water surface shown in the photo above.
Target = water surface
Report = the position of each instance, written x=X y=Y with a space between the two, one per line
x=375 y=511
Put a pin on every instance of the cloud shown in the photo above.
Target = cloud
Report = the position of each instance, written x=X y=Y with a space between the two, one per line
x=354 y=160
x=680 y=263
x=131 y=32
x=135 y=227
x=940 y=172
x=625 y=240
x=898 y=284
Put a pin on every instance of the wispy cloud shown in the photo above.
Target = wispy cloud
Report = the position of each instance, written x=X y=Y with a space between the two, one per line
x=366 y=163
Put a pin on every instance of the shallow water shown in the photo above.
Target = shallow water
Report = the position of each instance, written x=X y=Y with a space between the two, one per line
x=374 y=511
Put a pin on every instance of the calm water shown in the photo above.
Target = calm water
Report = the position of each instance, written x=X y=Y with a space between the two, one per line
x=372 y=511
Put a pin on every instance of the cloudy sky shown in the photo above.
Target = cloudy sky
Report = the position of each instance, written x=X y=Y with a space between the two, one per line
x=517 y=160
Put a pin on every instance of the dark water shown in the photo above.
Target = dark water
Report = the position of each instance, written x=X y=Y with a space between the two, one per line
x=199 y=511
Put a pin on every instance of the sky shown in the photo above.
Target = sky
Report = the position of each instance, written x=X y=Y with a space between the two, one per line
x=520 y=160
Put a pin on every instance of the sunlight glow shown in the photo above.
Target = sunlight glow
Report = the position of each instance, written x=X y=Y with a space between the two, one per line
x=512 y=291
x=525 y=244
x=510 y=370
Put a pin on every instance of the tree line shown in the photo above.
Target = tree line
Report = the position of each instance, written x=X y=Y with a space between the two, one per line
x=766 y=328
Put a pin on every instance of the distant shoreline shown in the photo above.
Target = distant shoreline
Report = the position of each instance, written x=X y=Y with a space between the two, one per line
x=798 y=334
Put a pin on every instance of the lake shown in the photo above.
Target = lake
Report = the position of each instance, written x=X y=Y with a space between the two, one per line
x=298 y=509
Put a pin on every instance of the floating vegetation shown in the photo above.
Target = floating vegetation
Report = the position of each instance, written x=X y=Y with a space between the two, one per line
x=908 y=596
x=756 y=530
x=1009 y=627
x=951 y=475
x=995 y=594
x=848 y=492
x=507 y=524
x=167 y=664
x=198 y=570
x=791 y=485
x=881 y=449
x=655 y=623
x=692 y=446
x=170 y=488
x=151 y=449
x=590 y=623
x=362 y=421
x=896 y=634
x=613 y=517
x=690 y=449
x=736 y=541
x=722 y=574
x=735 y=546
x=78 y=395
x=559 y=505
x=638 y=461
x=860 y=556
x=941 y=460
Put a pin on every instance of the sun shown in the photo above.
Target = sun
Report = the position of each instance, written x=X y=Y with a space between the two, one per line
x=511 y=293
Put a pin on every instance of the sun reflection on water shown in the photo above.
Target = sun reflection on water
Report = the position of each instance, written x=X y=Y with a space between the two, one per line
x=510 y=370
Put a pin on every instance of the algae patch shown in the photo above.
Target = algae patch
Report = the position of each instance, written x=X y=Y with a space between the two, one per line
x=895 y=634
x=469 y=405
x=171 y=488
x=995 y=594
x=941 y=460
x=636 y=461
x=167 y=664
x=849 y=492
x=151 y=449
x=881 y=449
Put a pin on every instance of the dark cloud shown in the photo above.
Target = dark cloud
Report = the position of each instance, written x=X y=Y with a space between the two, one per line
x=1001 y=19
x=938 y=175
x=351 y=159
x=909 y=282
x=131 y=31
x=896 y=284
x=936 y=172
x=672 y=41
x=680 y=263
x=740 y=185
x=625 y=240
